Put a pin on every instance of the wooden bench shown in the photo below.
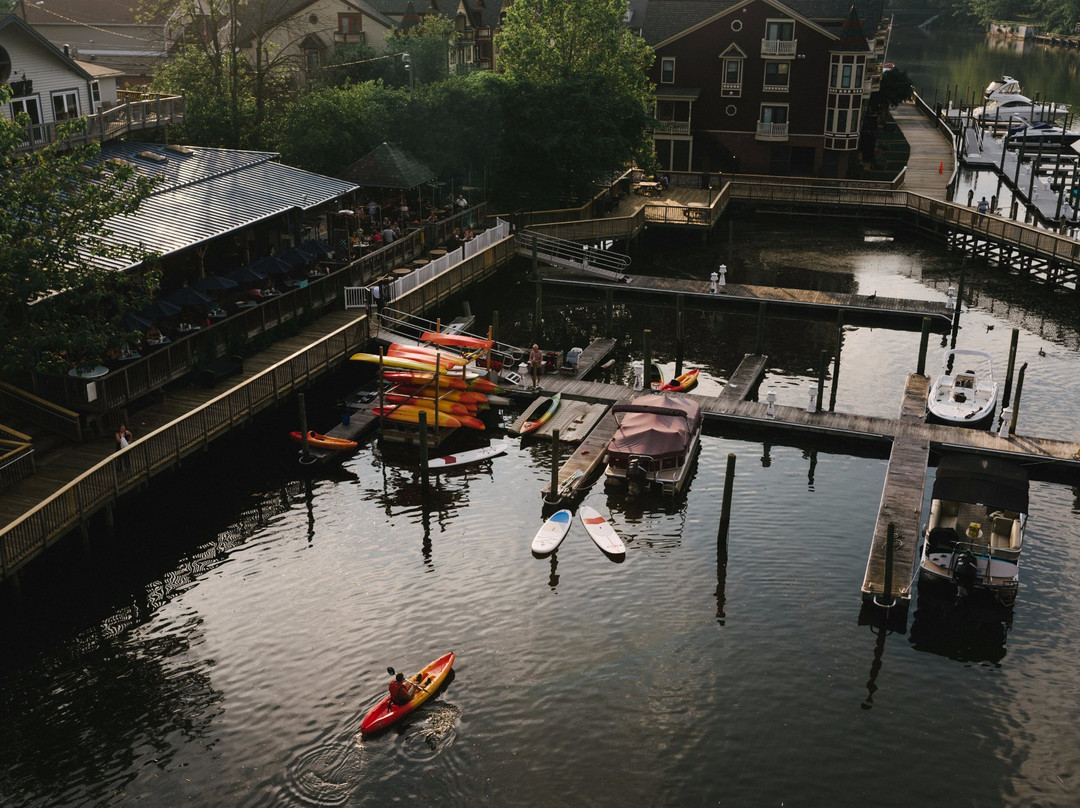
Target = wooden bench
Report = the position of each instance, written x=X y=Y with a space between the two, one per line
x=210 y=373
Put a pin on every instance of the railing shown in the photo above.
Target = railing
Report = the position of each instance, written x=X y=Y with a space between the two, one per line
x=405 y=285
x=670 y=128
x=16 y=460
x=59 y=420
x=569 y=253
x=771 y=131
x=779 y=47
x=138 y=112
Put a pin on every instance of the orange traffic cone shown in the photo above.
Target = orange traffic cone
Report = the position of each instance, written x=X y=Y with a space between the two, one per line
x=941 y=168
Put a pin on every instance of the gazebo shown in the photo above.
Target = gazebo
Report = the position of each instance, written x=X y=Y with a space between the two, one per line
x=389 y=167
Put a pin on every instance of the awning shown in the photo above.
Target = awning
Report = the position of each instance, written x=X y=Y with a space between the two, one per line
x=980 y=480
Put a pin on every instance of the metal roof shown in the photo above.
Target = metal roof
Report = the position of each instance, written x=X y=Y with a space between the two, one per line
x=207 y=193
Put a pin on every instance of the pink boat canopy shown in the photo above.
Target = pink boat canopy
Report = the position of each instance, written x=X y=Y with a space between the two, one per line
x=658 y=426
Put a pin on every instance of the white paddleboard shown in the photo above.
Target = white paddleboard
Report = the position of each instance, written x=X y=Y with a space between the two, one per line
x=601 y=531
x=471 y=456
x=551 y=534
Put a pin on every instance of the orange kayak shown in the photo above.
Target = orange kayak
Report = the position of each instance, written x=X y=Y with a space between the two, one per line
x=320 y=441
x=682 y=383
x=409 y=414
x=418 y=378
x=463 y=396
x=430 y=679
x=456 y=340
x=447 y=359
x=450 y=407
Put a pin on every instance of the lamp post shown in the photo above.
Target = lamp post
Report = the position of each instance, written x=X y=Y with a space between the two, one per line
x=407 y=59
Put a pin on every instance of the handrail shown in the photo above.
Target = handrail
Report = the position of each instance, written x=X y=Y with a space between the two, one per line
x=52 y=416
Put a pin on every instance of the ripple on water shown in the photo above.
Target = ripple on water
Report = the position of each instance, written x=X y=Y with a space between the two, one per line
x=325 y=775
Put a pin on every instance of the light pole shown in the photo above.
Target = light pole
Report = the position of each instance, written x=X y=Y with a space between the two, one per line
x=407 y=59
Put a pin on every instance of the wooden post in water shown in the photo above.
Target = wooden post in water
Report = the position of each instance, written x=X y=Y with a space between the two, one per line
x=730 y=235
x=305 y=451
x=424 y=451
x=725 y=506
x=887 y=597
x=1034 y=168
x=646 y=354
x=959 y=301
x=759 y=343
x=923 y=342
x=553 y=489
x=821 y=377
x=1016 y=398
x=609 y=305
x=538 y=311
x=679 y=328
x=1007 y=389
x=836 y=359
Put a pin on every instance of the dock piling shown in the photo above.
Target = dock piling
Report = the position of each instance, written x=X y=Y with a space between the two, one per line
x=959 y=302
x=553 y=489
x=725 y=507
x=923 y=342
x=887 y=601
x=760 y=341
x=1007 y=389
x=821 y=376
x=1016 y=398
x=305 y=451
x=424 y=452
x=646 y=355
x=679 y=327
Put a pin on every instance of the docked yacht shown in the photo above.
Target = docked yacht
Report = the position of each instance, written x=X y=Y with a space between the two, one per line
x=1003 y=101
x=965 y=397
x=1039 y=134
x=975 y=532
x=654 y=444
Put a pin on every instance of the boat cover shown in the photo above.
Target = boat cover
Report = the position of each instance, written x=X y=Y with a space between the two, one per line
x=976 y=479
x=655 y=425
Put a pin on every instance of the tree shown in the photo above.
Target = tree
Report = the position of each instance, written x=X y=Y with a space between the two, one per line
x=428 y=45
x=585 y=73
x=58 y=306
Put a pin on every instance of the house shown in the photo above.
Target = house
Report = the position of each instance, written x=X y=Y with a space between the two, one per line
x=51 y=87
x=102 y=32
x=303 y=33
x=762 y=86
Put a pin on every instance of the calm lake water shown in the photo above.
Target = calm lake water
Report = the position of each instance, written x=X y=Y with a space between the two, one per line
x=222 y=649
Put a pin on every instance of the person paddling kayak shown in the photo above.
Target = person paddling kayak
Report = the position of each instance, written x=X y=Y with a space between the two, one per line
x=401 y=691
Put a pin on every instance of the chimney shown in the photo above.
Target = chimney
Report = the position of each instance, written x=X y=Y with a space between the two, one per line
x=67 y=51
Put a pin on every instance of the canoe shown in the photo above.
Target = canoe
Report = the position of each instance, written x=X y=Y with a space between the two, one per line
x=681 y=384
x=320 y=441
x=552 y=532
x=464 y=458
x=601 y=531
x=420 y=378
x=386 y=713
x=396 y=362
x=456 y=340
x=540 y=413
x=408 y=414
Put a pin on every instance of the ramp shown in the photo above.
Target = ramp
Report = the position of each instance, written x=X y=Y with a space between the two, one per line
x=572 y=255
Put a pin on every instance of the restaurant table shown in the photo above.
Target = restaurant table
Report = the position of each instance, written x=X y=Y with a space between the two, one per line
x=437 y=254
x=648 y=188
x=157 y=343
x=129 y=356
x=403 y=270
x=247 y=304
x=89 y=373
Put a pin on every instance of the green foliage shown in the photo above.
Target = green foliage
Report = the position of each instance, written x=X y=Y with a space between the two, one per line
x=355 y=64
x=328 y=128
x=57 y=306
x=1060 y=16
x=895 y=88
x=428 y=45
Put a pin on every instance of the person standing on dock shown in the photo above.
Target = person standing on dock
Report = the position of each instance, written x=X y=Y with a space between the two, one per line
x=536 y=360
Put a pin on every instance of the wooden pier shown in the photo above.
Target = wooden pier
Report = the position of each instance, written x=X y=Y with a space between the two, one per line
x=593 y=355
x=745 y=378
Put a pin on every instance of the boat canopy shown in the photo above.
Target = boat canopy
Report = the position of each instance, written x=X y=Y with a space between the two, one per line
x=655 y=425
x=976 y=479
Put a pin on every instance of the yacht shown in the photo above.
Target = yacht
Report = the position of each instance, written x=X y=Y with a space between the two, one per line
x=1039 y=133
x=1003 y=101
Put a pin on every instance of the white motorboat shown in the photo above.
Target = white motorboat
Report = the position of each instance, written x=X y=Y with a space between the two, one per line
x=975 y=533
x=965 y=397
x=1039 y=134
x=654 y=444
x=1003 y=101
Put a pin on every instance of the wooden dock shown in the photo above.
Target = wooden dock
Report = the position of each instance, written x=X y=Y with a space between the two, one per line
x=588 y=458
x=745 y=377
x=593 y=355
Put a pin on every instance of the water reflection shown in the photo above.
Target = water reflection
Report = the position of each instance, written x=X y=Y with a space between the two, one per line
x=965 y=631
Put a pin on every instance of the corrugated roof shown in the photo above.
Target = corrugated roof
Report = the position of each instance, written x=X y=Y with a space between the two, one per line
x=209 y=193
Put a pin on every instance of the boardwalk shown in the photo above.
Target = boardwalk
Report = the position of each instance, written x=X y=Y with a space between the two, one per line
x=932 y=160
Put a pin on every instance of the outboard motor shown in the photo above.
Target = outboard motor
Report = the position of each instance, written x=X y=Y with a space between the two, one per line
x=636 y=476
x=966 y=573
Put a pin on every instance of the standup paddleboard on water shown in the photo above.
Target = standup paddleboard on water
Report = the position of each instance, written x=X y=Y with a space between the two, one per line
x=462 y=458
x=551 y=533
x=601 y=531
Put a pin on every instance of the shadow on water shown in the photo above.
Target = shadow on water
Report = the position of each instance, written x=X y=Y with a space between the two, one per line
x=962 y=630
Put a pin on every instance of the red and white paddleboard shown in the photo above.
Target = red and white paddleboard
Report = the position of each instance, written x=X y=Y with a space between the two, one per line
x=601 y=531
x=462 y=458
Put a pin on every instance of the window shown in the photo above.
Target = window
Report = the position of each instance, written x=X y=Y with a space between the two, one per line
x=776 y=75
x=841 y=120
x=29 y=106
x=312 y=59
x=774 y=114
x=859 y=75
x=667 y=70
x=350 y=23
x=736 y=25
x=65 y=105
x=95 y=93
x=733 y=71
x=845 y=77
x=780 y=30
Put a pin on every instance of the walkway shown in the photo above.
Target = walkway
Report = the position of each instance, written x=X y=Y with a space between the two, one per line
x=932 y=160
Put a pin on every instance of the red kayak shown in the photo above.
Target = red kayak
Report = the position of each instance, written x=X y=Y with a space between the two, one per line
x=430 y=679
x=422 y=379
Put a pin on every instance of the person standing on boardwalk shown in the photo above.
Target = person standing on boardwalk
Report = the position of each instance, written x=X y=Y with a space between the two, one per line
x=123 y=437
x=984 y=206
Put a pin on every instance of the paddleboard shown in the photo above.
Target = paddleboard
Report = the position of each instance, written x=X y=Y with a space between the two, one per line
x=464 y=458
x=552 y=532
x=601 y=531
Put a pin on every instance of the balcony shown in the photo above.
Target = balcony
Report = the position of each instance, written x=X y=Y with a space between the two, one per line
x=349 y=39
x=783 y=48
x=671 y=127
x=771 y=131
x=138 y=112
x=483 y=33
x=774 y=88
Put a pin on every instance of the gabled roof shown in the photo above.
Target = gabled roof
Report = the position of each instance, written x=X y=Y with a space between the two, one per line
x=267 y=15
x=207 y=193
x=388 y=167
x=99 y=12
x=12 y=23
x=852 y=37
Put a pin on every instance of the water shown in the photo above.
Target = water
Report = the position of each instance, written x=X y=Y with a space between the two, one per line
x=223 y=648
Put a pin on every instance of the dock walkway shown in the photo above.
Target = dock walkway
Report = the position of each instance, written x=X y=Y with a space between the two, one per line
x=932 y=160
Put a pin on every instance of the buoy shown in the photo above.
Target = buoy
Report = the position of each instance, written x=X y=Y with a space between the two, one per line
x=941 y=167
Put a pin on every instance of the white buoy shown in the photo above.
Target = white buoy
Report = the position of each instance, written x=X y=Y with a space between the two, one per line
x=723 y=274
x=770 y=409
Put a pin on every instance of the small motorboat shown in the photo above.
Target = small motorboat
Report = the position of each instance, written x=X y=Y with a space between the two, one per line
x=1039 y=134
x=654 y=444
x=978 y=513
x=965 y=397
x=320 y=441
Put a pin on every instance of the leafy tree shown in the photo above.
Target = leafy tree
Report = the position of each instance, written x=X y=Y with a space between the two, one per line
x=355 y=64
x=58 y=306
x=328 y=128
x=1058 y=15
x=895 y=88
x=584 y=73
x=428 y=45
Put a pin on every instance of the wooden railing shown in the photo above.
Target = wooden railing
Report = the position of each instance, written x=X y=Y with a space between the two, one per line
x=57 y=419
x=16 y=457
x=139 y=111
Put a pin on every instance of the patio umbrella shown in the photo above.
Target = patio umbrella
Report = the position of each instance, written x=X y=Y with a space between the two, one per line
x=317 y=248
x=271 y=265
x=245 y=275
x=215 y=283
x=186 y=296
x=158 y=309
x=133 y=322
x=295 y=257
